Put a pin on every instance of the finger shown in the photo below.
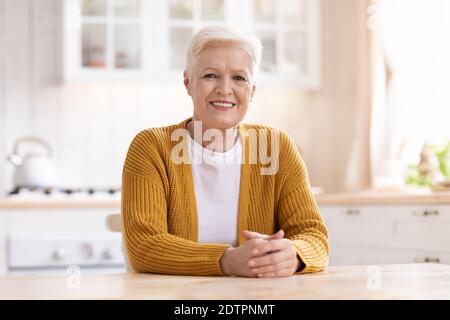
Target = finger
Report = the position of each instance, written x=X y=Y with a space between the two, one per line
x=278 y=235
x=275 y=267
x=270 y=259
x=277 y=274
x=270 y=246
x=249 y=235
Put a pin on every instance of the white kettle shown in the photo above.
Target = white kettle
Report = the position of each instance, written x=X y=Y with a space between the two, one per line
x=33 y=169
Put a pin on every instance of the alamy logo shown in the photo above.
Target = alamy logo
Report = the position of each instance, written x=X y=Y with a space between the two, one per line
x=73 y=281
x=373 y=278
x=259 y=146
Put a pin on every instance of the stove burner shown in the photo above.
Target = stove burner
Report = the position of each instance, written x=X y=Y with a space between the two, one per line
x=66 y=191
x=14 y=191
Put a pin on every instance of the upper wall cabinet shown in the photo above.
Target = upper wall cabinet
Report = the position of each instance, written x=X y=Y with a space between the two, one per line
x=147 y=40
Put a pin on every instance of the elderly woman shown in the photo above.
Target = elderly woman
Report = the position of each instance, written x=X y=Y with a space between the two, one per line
x=198 y=197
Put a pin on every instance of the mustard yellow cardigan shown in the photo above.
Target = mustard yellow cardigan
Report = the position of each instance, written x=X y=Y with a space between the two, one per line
x=159 y=213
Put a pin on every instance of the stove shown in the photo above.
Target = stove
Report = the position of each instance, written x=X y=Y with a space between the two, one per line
x=56 y=254
x=87 y=193
x=42 y=239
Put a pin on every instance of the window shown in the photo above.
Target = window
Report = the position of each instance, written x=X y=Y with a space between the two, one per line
x=411 y=75
x=126 y=39
x=186 y=17
x=282 y=27
x=102 y=36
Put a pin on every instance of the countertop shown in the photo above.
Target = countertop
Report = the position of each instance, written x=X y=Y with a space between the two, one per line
x=382 y=198
x=58 y=203
x=361 y=198
x=404 y=281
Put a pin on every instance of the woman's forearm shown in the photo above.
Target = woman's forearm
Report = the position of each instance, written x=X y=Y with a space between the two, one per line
x=168 y=254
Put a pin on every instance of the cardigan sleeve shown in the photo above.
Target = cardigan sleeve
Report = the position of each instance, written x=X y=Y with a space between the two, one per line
x=150 y=247
x=297 y=210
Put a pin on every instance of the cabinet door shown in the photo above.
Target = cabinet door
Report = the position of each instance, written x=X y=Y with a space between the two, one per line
x=388 y=234
x=3 y=243
x=371 y=256
x=419 y=256
x=357 y=226
x=340 y=255
x=421 y=228
x=103 y=38
x=59 y=222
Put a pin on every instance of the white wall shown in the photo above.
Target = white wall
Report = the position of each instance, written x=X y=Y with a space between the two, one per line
x=2 y=96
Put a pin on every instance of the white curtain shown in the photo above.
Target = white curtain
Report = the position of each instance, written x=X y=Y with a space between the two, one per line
x=411 y=81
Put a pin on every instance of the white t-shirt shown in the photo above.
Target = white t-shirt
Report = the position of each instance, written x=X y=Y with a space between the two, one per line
x=217 y=179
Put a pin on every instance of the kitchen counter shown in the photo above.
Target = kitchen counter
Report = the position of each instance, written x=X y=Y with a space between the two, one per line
x=405 y=281
x=367 y=197
x=59 y=203
x=383 y=198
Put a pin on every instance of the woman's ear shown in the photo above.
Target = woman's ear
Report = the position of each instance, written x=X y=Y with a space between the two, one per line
x=253 y=92
x=187 y=82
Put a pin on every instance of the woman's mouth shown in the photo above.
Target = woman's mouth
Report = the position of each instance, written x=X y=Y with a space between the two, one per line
x=223 y=105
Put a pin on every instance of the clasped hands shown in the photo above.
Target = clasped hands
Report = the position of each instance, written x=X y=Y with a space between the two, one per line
x=261 y=256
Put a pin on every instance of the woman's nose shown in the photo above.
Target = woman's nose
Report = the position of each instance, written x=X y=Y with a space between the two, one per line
x=224 y=88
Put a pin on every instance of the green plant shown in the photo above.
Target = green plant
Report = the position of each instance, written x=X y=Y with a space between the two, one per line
x=442 y=153
x=415 y=178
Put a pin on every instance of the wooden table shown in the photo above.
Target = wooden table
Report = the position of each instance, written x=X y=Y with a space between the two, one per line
x=407 y=281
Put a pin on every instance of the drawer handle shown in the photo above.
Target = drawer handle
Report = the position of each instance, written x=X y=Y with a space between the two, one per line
x=426 y=213
x=353 y=212
x=427 y=260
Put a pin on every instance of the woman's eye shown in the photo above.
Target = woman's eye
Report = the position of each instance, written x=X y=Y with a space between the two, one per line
x=210 y=76
x=239 y=78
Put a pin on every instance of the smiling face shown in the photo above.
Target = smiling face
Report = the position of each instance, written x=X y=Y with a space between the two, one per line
x=221 y=86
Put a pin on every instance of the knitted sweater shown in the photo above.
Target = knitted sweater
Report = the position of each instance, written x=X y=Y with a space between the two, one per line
x=159 y=213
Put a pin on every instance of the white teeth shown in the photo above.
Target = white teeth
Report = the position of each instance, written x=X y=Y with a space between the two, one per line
x=222 y=104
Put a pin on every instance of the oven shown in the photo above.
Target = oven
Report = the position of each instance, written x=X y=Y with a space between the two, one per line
x=56 y=254
x=61 y=233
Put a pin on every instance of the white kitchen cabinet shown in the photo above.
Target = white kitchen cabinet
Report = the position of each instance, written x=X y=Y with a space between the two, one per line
x=348 y=255
x=341 y=255
x=388 y=234
x=421 y=227
x=356 y=226
x=3 y=243
x=147 y=40
x=420 y=256
x=105 y=39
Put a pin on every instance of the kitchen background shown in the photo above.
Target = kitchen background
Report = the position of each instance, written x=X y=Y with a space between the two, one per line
x=360 y=85
x=90 y=124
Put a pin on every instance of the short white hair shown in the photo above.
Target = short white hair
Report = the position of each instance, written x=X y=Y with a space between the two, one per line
x=213 y=35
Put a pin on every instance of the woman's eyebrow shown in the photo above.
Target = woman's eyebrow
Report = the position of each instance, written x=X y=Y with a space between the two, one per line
x=209 y=68
x=240 y=70
x=217 y=69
